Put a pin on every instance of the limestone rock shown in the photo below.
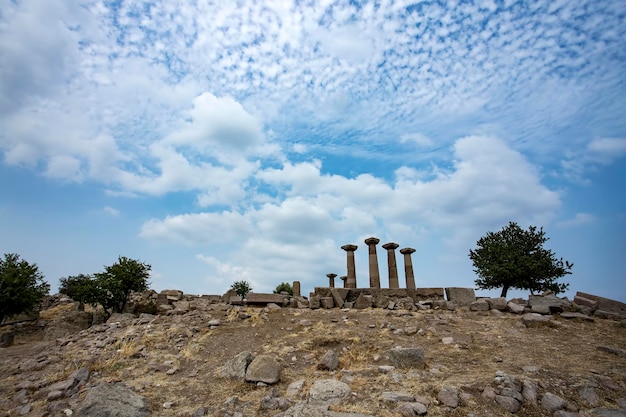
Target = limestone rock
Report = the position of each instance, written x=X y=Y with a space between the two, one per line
x=412 y=409
x=6 y=338
x=529 y=392
x=403 y=358
x=515 y=308
x=329 y=391
x=397 y=397
x=329 y=362
x=509 y=404
x=112 y=400
x=317 y=410
x=497 y=303
x=552 y=402
x=294 y=389
x=461 y=296
x=263 y=368
x=237 y=366
x=449 y=396
x=538 y=320
x=608 y=412
x=563 y=413
x=479 y=305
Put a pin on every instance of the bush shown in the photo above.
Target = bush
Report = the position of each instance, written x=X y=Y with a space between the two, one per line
x=82 y=288
x=284 y=287
x=22 y=286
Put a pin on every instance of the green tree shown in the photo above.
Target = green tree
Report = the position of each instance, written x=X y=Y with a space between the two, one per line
x=242 y=288
x=115 y=284
x=516 y=258
x=22 y=286
x=284 y=286
x=82 y=288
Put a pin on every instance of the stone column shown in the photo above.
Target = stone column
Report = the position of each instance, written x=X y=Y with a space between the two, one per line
x=296 y=288
x=408 y=268
x=371 y=242
x=391 y=262
x=351 y=280
x=343 y=278
x=331 y=279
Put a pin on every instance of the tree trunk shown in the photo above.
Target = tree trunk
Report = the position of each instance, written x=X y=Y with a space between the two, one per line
x=504 y=291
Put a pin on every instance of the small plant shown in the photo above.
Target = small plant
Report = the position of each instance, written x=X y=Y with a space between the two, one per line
x=284 y=287
x=242 y=288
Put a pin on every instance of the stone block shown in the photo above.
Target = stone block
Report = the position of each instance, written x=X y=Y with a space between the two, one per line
x=263 y=298
x=403 y=358
x=606 y=304
x=497 y=303
x=582 y=301
x=173 y=295
x=364 y=301
x=339 y=295
x=479 y=305
x=314 y=302
x=462 y=297
x=327 y=302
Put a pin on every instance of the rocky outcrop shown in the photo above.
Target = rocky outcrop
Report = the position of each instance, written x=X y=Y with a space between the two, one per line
x=112 y=400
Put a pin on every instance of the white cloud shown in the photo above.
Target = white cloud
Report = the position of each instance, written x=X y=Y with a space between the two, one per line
x=113 y=212
x=418 y=139
x=598 y=152
x=578 y=220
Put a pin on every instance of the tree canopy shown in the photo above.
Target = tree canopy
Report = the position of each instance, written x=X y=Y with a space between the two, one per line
x=22 y=286
x=242 y=288
x=284 y=287
x=110 y=288
x=515 y=258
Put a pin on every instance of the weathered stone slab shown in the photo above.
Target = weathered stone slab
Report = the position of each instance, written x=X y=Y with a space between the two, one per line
x=576 y=316
x=364 y=301
x=479 y=305
x=606 y=304
x=327 y=302
x=174 y=294
x=538 y=320
x=329 y=391
x=403 y=358
x=461 y=296
x=339 y=295
x=106 y=400
x=587 y=302
x=264 y=299
x=498 y=303
x=263 y=368
x=539 y=304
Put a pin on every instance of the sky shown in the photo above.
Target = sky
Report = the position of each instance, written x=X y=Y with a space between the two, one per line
x=249 y=140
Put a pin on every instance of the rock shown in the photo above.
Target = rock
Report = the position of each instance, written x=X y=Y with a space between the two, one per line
x=403 y=358
x=515 y=308
x=263 y=368
x=608 y=412
x=412 y=409
x=552 y=402
x=294 y=389
x=589 y=396
x=497 y=303
x=199 y=412
x=327 y=302
x=329 y=391
x=479 y=305
x=462 y=297
x=509 y=404
x=563 y=413
x=67 y=324
x=529 y=392
x=237 y=366
x=612 y=350
x=449 y=396
x=489 y=393
x=538 y=320
x=316 y=410
x=396 y=397
x=587 y=302
x=112 y=400
x=577 y=316
x=364 y=301
x=551 y=302
x=329 y=362
x=6 y=338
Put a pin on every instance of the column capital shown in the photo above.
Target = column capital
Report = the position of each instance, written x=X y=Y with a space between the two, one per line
x=331 y=275
x=391 y=246
x=372 y=241
x=349 y=248
x=406 y=251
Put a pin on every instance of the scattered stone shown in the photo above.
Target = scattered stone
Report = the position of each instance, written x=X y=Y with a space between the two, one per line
x=315 y=410
x=237 y=366
x=612 y=350
x=403 y=358
x=295 y=388
x=412 y=409
x=6 y=338
x=489 y=393
x=552 y=402
x=479 y=305
x=497 y=303
x=509 y=404
x=608 y=412
x=263 y=368
x=529 y=392
x=563 y=413
x=329 y=391
x=199 y=412
x=329 y=362
x=538 y=320
x=396 y=397
x=449 y=396
x=105 y=400
x=589 y=396
x=515 y=308
x=576 y=316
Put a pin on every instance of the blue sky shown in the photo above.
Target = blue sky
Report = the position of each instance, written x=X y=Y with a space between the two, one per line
x=250 y=140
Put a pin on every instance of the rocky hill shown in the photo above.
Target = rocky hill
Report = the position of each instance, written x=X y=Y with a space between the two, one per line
x=217 y=359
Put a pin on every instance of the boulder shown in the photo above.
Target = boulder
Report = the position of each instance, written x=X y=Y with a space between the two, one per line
x=403 y=358
x=329 y=362
x=237 y=366
x=515 y=308
x=461 y=296
x=329 y=391
x=552 y=402
x=449 y=396
x=6 y=338
x=479 y=305
x=67 y=324
x=497 y=303
x=263 y=368
x=538 y=320
x=112 y=400
x=539 y=303
x=364 y=301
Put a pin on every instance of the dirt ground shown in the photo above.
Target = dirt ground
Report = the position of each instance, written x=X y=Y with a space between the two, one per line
x=463 y=349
